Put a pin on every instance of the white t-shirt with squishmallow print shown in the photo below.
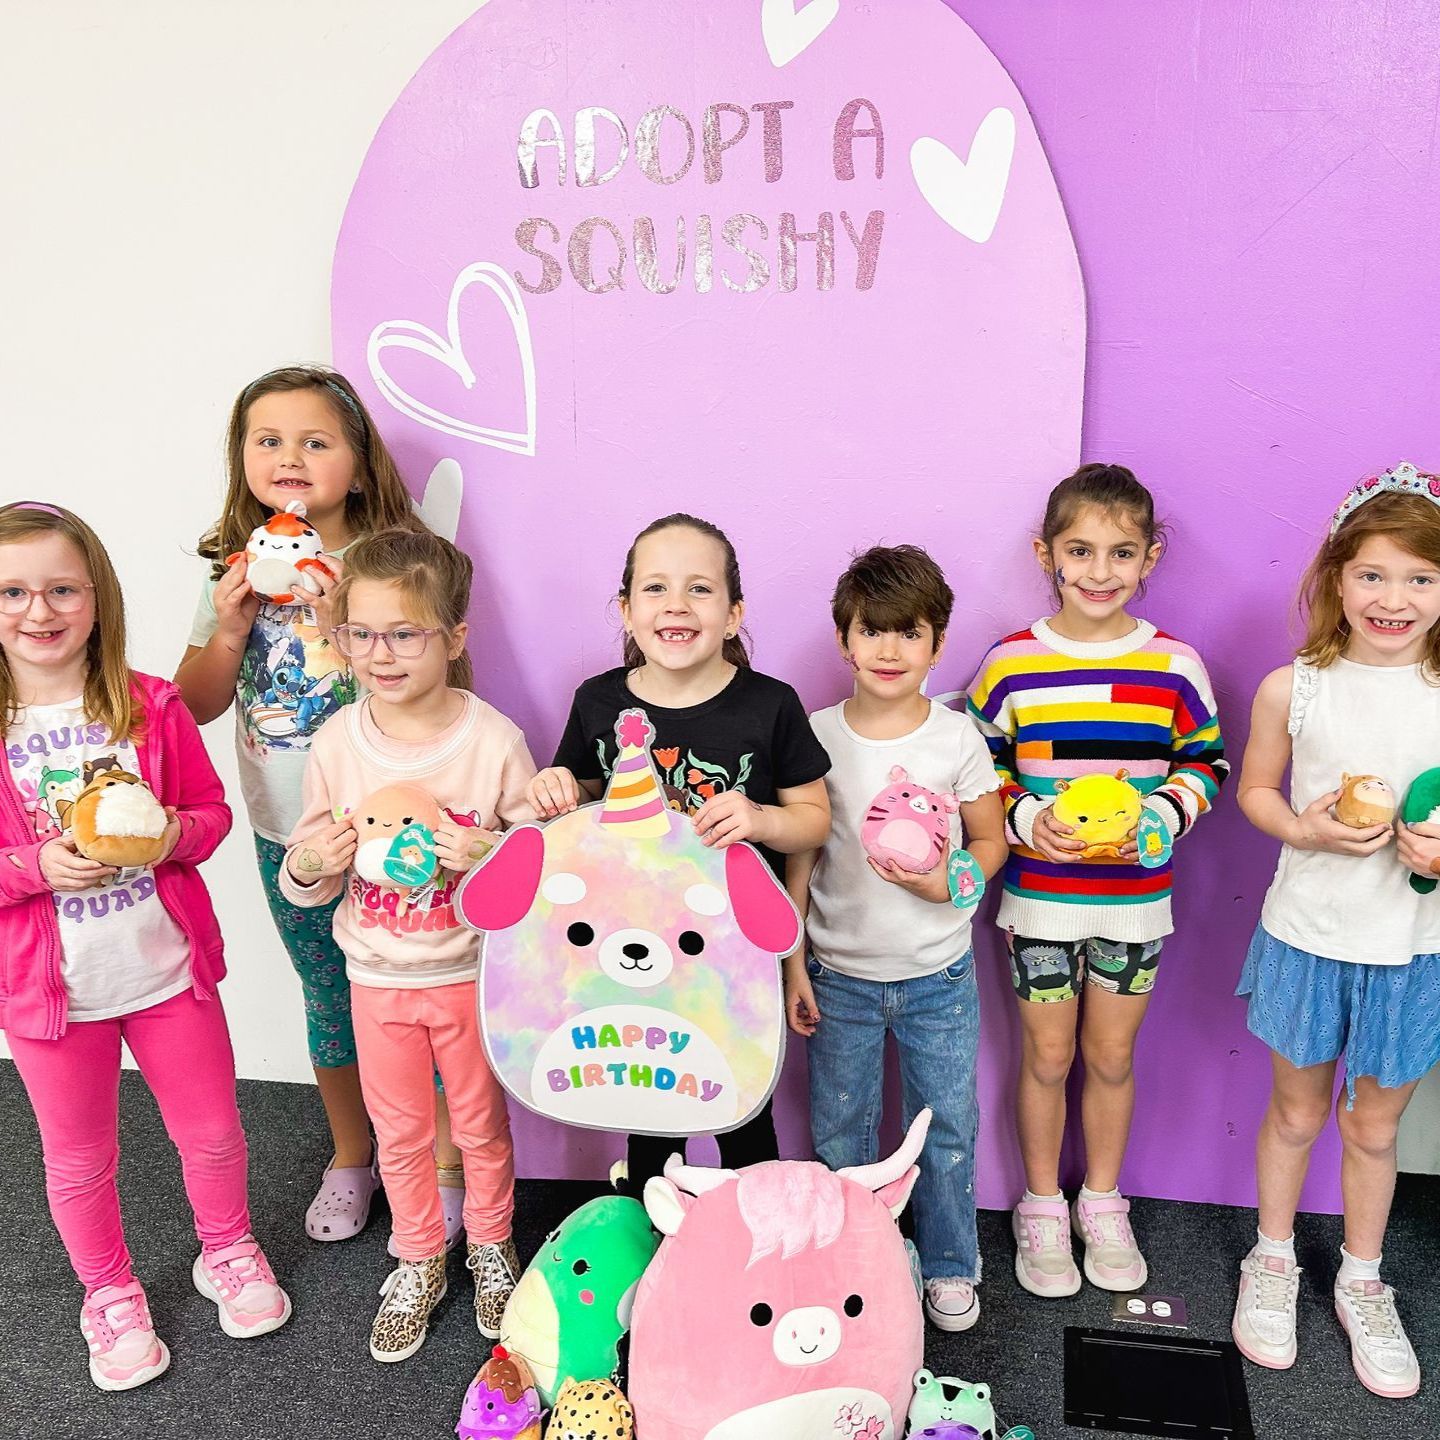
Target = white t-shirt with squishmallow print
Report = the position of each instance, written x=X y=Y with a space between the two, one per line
x=291 y=680
x=120 y=950
x=859 y=924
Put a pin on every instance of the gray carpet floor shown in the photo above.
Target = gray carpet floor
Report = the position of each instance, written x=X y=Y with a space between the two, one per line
x=314 y=1380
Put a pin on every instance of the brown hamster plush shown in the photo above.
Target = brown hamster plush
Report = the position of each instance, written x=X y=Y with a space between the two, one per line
x=1365 y=800
x=117 y=820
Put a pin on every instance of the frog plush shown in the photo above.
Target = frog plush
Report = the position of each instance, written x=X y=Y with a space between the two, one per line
x=1422 y=807
x=942 y=1399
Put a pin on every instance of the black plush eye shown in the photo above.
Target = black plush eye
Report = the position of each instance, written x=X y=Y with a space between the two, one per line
x=692 y=942
x=853 y=1305
x=904 y=794
x=406 y=819
x=580 y=933
x=1082 y=818
x=761 y=1314
x=581 y=1267
x=294 y=544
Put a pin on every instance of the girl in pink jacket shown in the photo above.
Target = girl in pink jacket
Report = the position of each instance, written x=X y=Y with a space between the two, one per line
x=91 y=955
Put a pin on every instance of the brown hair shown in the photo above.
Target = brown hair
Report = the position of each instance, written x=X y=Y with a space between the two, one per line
x=1410 y=521
x=110 y=696
x=382 y=502
x=431 y=571
x=735 y=649
x=892 y=588
x=1111 y=489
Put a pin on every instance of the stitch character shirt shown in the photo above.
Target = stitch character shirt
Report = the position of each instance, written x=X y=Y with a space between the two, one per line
x=121 y=951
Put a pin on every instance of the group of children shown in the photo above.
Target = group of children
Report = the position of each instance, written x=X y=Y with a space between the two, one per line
x=368 y=685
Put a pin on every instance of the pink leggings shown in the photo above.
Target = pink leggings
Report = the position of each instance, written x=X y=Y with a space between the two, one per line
x=183 y=1050
x=401 y=1037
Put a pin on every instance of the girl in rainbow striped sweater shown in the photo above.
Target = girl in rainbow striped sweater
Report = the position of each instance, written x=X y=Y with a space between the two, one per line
x=1091 y=690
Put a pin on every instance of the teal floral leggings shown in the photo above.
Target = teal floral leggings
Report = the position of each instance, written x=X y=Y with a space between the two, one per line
x=318 y=961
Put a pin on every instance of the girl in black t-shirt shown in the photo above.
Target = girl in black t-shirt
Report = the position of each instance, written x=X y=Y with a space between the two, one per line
x=734 y=748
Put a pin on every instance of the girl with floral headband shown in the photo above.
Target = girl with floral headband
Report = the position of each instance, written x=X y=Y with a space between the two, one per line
x=1345 y=962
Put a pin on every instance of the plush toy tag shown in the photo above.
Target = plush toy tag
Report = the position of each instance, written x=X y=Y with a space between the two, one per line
x=967 y=880
x=1152 y=840
x=411 y=858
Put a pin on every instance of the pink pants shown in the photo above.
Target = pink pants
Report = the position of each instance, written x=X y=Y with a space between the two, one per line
x=402 y=1037
x=183 y=1050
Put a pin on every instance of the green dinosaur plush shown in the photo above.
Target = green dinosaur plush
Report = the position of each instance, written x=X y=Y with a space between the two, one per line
x=1422 y=805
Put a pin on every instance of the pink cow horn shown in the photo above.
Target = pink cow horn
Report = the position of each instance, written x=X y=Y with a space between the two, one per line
x=873 y=1177
x=695 y=1179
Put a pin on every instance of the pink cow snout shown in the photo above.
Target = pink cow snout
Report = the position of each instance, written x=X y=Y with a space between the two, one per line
x=806 y=1335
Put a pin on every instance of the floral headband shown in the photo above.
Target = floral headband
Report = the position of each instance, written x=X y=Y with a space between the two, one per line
x=1402 y=479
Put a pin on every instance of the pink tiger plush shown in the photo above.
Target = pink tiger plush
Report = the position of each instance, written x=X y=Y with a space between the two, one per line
x=907 y=824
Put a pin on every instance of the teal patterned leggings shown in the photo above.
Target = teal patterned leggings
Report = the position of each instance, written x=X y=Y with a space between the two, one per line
x=318 y=961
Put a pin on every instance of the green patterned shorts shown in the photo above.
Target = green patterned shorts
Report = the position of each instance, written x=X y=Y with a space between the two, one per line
x=1046 y=971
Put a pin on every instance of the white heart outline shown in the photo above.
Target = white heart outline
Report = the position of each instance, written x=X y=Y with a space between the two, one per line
x=968 y=194
x=439 y=507
x=450 y=351
x=788 y=32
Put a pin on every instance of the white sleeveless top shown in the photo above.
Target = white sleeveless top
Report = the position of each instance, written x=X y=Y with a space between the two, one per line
x=1364 y=720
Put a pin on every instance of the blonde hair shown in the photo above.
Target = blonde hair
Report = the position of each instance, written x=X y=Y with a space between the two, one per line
x=110 y=697
x=382 y=502
x=432 y=573
x=1410 y=521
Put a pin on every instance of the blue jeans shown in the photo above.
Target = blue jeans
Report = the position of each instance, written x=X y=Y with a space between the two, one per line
x=936 y=1023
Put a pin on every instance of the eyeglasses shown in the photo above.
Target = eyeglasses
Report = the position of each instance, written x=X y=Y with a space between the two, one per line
x=355 y=642
x=63 y=599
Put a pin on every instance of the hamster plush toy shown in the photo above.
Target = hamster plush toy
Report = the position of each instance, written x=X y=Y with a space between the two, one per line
x=1103 y=810
x=1365 y=800
x=502 y=1402
x=395 y=840
x=117 y=820
x=279 y=553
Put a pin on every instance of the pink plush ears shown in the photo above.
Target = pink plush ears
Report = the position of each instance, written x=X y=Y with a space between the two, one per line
x=499 y=892
x=762 y=909
x=899 y=773
x=949 y=804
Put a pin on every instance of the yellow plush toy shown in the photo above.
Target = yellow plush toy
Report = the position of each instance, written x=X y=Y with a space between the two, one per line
x=1103 y=810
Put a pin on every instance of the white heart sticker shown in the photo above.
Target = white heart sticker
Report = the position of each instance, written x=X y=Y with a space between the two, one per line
x=967 y=194
x=788 y=31
x=449 y=350
x=439 y=507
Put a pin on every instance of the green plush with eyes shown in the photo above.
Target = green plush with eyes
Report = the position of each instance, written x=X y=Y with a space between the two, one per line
x=1422 y=806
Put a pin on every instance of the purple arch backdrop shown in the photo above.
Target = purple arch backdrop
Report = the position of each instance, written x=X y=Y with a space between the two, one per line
x=1250 y=203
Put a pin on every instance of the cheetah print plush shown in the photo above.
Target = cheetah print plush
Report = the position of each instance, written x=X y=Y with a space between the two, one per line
x=591 y=1410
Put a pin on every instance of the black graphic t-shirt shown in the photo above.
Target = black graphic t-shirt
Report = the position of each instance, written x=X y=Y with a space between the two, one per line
x=754 y=737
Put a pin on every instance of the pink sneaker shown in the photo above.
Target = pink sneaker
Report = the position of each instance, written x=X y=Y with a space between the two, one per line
x=1043 y=1262
x=951 y=1304
x=124 y=1349
x=342 y=1204
x=1112 y=1259
x=242 y=1285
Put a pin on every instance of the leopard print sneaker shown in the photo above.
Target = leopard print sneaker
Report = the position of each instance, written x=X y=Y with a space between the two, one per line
x=496 y=1269
x=412 y=1291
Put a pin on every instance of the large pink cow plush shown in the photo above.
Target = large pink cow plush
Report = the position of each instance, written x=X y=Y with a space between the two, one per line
x=780 y=1304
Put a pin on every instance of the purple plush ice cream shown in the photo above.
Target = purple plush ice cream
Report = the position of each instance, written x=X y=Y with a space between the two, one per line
x=501 y=1403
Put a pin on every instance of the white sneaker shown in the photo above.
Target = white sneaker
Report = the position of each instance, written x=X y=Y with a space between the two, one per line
x=1380 y=1350
x=1264 y=1323
x=951 y=1304
x=1044 y=1264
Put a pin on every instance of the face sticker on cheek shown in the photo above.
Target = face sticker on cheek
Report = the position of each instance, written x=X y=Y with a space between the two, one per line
x=1060 y=577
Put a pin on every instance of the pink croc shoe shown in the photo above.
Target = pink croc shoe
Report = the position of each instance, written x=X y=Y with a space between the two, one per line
x=341 y=1205
x=239 y=1280
x=452 y=1208
x=124 y=1349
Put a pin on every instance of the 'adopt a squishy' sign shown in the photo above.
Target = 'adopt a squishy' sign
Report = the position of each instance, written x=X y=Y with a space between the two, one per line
x=629 y=974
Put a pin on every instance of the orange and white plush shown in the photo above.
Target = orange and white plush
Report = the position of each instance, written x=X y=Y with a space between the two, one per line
x=278 y=555
x=118 y=821
x=1365 y=800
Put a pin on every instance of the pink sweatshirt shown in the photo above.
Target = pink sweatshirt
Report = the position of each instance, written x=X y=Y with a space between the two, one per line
x=173 y=762
x=477 y=769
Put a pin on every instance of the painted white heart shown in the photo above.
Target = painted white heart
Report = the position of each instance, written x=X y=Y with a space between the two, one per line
x=788 y=31
x=449 y=350
x=967 y=194
x=439 y=507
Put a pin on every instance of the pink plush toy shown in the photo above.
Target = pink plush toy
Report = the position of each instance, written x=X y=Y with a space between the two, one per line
x=907 y=824
x=780 y=1303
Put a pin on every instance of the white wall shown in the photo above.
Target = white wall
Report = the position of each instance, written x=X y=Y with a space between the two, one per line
x=174 y=181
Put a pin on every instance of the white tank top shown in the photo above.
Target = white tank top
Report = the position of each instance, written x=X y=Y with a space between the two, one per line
x=1364 y=720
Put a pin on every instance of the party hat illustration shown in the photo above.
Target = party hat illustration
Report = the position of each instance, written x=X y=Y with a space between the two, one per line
x=633 y=800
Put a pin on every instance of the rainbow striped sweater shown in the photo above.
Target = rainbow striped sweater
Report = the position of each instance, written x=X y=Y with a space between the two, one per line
x=1053 y=709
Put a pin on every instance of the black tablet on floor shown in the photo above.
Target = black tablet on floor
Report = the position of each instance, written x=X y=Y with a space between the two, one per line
x=1155 y=1385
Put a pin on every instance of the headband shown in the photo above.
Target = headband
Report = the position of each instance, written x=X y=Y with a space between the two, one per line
x=1402 y=479
x=318 y=376
x=36 y=505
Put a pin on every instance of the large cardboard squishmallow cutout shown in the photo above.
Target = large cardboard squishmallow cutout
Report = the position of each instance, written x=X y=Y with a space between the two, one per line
x=780 y=1303
x=629 y=975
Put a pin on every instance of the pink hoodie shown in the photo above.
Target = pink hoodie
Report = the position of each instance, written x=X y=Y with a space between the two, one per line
x=174 y=763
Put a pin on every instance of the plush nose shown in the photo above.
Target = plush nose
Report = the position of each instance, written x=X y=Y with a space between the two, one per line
x=634 y=951
x=806 y=1336
x=920 y=805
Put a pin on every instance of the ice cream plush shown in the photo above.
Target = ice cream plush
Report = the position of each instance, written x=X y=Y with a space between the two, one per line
x=502 y=1402
x=572 y=1305
x=118 y=821
x=279 y=553
x=395 y=839
x=1103 y=810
